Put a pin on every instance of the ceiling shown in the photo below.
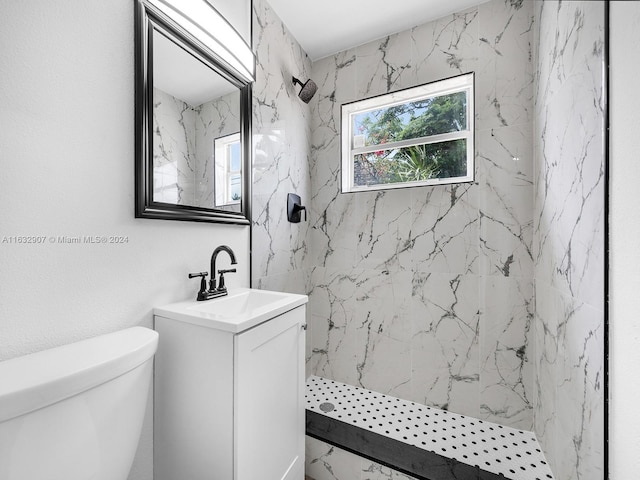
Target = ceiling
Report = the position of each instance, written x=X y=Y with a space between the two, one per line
x=329 y=26
x=182 y=76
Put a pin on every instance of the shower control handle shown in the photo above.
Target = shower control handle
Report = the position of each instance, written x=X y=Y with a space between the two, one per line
x=294 y=207
x=299 y=208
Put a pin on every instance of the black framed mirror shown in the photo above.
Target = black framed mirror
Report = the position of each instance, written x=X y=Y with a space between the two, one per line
x=193 y=123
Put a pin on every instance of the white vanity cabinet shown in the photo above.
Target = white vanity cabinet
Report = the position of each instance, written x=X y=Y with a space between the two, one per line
x=230 y=404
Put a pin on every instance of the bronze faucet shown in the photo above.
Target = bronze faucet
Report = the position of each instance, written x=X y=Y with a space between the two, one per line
x=221 y=289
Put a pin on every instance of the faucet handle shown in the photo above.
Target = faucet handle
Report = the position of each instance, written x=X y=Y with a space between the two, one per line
x=203 y=284
x=221 y=285
x=199 y=274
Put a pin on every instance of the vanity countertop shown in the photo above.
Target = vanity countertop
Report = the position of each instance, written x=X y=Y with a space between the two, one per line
x=240 y=310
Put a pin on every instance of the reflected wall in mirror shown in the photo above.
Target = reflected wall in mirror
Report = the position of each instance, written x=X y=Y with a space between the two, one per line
x=193 y=127
x=194 y=108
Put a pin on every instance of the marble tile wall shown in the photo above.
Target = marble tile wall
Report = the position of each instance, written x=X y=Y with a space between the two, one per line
x=174 y=147
x=281 y=156
x=568 y=243
x=183 y=146
x=426 y=293
x=216 y=118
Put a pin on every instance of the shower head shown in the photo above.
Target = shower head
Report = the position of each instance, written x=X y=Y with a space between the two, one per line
x=308 y=89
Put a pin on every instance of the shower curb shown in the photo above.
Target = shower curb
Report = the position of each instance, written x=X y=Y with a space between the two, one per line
x=420 y=441
x=408 y=459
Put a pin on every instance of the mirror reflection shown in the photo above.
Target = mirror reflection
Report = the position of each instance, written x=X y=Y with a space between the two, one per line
x=197 y=154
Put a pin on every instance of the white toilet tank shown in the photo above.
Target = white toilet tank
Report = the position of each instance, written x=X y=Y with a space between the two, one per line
x=75 y=412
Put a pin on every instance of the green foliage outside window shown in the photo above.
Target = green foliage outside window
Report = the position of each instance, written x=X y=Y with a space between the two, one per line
x=413 y=120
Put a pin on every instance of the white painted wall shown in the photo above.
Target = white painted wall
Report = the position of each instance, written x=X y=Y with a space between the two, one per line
x=624 y=420
x=67 y=168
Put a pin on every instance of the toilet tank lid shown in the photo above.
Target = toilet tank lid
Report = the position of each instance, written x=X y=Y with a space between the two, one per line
x=34 y=381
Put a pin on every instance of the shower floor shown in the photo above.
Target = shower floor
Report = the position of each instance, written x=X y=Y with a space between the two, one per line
x=424 y=442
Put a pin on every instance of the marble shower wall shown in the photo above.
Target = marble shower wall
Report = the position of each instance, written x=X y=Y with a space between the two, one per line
x=281 y=156
x=216 y=118
x=174 y=149
x=183 y=144
x=569 y=237
x=426 y=293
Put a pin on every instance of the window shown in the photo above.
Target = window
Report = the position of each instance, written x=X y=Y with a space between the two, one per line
x=419 y=136
x=228 y=170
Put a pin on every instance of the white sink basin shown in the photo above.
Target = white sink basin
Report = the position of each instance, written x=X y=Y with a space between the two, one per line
x=241 y=309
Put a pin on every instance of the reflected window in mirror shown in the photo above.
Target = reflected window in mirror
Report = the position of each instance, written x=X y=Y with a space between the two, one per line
x=228 y=170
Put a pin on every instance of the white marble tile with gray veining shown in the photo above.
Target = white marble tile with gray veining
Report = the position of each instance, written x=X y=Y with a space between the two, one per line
x=504 y=78
x=507 y=350
x=382 y=320
x=326 y=462
x=568 y=35
x=446 y=47
x=444 y=229
x=580 y=399
x=385 y=65
x=570 y=210
x=547 y=316
x=333 y=230
x=568 y=237
x=433 y=234
x=216 y=118
x=331 y=336
x=281 y=147
x=383 y=224
x=334 y=233
x=174 y=149
x=375 y=471
x=445 y=342
x=505 y=178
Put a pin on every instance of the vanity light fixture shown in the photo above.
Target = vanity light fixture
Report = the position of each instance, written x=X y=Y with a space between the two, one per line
x=212 y=30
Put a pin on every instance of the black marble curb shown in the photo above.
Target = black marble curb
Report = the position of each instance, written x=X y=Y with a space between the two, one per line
x=408 y=459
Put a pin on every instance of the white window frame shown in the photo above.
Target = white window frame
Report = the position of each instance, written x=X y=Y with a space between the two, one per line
x=461 y=83
x=222 y=170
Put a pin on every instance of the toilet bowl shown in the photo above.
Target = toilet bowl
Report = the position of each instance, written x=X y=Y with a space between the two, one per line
x=75 y=412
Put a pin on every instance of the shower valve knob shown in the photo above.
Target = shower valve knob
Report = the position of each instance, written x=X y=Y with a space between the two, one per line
x=294 y=208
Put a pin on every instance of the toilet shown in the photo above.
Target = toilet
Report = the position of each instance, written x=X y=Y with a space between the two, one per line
x=75 y=412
